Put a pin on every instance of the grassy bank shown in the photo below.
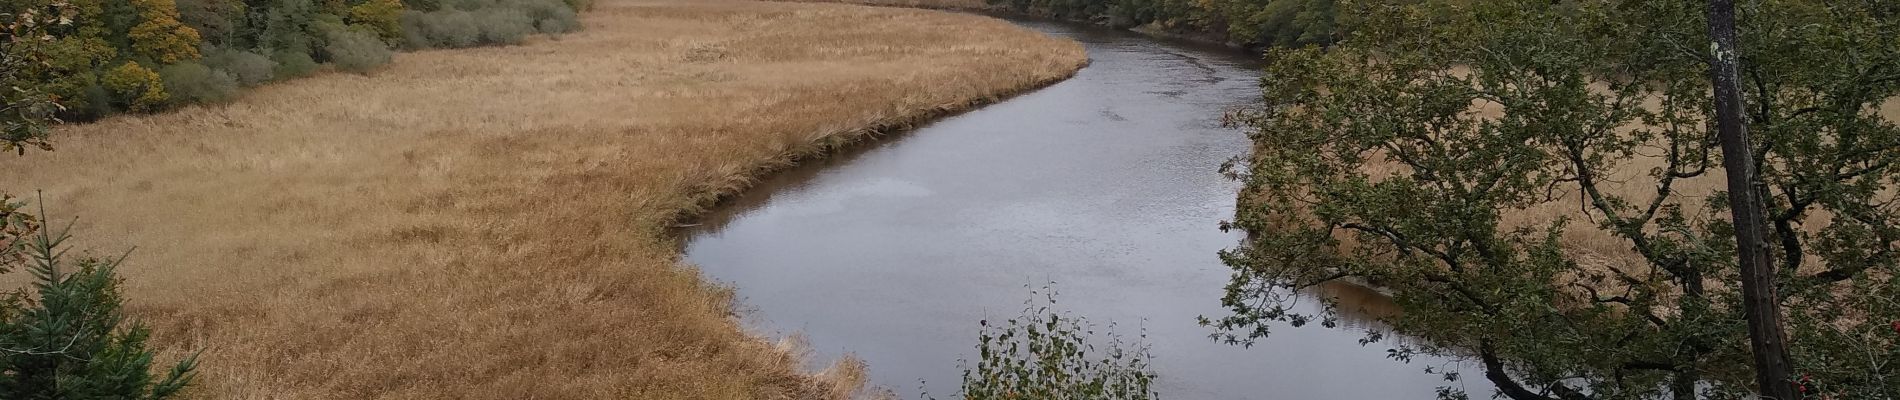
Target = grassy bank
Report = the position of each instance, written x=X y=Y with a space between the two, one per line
x=489 y=223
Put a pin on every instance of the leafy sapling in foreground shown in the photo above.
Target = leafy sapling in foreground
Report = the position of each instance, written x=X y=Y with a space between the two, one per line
x=1049 y=354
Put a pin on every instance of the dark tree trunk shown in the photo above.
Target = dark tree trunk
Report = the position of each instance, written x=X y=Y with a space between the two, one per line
x=1759 y=302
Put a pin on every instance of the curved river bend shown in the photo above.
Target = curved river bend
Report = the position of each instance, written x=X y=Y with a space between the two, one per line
x=1106 y=184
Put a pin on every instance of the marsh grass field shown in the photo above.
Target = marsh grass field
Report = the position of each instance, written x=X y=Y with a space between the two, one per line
x=492 y=222
x=965 y=5
x=1631 y=179
x=1590 y=244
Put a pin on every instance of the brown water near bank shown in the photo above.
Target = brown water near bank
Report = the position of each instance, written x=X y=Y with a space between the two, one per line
x=1105 y=184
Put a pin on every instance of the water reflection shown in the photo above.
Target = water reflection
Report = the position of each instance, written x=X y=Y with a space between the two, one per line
x=1360 y=308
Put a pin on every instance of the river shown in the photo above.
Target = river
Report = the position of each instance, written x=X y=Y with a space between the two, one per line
x=1105 y=184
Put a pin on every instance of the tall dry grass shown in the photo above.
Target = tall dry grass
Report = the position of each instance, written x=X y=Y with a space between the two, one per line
x=961 y=5
x=1594 y=247
x=1592 y=244
x=489 y=223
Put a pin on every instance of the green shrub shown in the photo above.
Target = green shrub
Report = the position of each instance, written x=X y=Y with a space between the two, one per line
x=557 y=20
x=249 y=68
x=353 y=50
x=422 y=5
x=558 y=26
x=1049 y=354
x=503 y=25
x=550 y=16
x=96 y=104
x=413 y=35
x=464 y=23
x=467 y=5
x=292 y=64
x=190 y=82
x=450 y=28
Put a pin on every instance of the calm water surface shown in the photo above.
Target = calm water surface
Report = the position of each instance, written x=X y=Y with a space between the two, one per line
x=1105 y=184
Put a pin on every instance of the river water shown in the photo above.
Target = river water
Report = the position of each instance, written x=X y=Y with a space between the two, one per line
x=1105 y=184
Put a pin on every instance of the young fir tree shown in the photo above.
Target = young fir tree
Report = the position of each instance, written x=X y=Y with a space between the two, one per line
x=65 y=338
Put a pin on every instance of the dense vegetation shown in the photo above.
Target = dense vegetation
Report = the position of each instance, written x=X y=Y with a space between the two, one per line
x=111 y=56
x=1467 y=158
x=1245 y=22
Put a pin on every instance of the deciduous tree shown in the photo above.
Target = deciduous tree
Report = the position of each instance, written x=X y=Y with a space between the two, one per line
x=1462 y=155
x=381 y=16
x=141 y=88
x=160 y=36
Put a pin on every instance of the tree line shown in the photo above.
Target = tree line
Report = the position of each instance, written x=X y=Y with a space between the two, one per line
x=1251 y=23
x=104 y=57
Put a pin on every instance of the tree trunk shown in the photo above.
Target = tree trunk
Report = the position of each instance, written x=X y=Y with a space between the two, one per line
x=1759 y=302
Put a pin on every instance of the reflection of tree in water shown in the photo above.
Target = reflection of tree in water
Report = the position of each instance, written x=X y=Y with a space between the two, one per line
x=1363 y=308
x=1359 y=307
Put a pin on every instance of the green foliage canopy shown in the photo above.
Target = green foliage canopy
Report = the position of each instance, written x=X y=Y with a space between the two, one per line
x=1373 y=165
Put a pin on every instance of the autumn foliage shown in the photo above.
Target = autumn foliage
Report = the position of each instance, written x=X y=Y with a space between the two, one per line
x=140 y=86
x=159 y=36
x=381 y=16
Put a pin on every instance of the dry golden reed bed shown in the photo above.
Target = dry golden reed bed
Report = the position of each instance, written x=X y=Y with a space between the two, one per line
x=966 y=5
x=490 y=223
x=1631 y=180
